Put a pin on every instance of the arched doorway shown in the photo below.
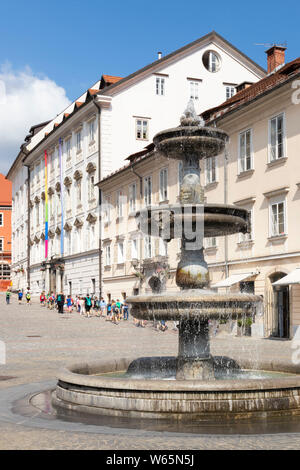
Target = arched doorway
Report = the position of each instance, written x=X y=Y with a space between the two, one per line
x=279 y=305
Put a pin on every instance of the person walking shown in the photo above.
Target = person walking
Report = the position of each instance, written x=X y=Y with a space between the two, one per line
x=115 y=312
x=20 y=296
x=60 y=300
x=28 y=297
x=125 y=309
x=103 y=306
x=108 y=310
x=119 y=309
x=8 y=294
x=42 y=299
x=51 y=301
x=69 y=303
x=88 y=305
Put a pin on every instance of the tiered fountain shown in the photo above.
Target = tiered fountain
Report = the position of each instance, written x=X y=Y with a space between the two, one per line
x=199 y=385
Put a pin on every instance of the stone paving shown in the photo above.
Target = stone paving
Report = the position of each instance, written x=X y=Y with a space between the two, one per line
x=39 y=341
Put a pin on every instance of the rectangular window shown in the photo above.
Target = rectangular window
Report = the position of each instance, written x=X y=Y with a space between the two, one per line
x=1 y=244
x=68 y=148
x=194 y=90
x=163 y=184
x=1 y=219
x=78 y=141
x=211 y=242
x=142 y=128
x=121 y=258
x=107 y=255
x=276 y=133
x=132 y=197
x=91 y=132
x=78 y=192
x=277 y=215
x=210 y=170
x=147 y=246
x=134 y=248
x=120 y=200
x=160 y=86
x=230 y=91
x=163 y=247
x=245 y=151
x=148 y=190
x=107 y=207
x=91 y=188
x=245 y=237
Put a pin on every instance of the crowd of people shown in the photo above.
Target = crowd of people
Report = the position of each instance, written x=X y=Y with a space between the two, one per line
x=89 y=305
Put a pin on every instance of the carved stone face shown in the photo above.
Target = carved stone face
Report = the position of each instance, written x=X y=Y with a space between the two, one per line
x=187 y=194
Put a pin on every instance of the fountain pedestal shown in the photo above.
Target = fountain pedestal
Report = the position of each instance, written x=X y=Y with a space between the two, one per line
x=194 y=361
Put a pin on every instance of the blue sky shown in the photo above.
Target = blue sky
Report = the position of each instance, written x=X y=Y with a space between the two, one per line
x=74 y=42
x=51 y=52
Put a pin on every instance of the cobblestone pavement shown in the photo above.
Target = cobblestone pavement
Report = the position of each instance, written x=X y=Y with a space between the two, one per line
x=39 y=341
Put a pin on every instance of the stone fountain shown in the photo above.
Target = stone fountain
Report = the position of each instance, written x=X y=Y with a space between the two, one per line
x=139 y=387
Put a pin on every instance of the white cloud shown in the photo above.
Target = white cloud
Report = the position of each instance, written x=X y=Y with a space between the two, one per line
x=25 y=99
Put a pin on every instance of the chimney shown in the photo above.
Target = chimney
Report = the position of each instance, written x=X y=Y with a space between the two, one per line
x=276 y=58
x=243 y=86
x=159 y=55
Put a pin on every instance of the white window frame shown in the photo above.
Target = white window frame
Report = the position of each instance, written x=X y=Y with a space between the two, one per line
x=1 y=219
x=248 y=237
x=147 y=192
x=1 y=244
x=142 y=129
x=160 y=88
x=134 y=248
x=147 y=247
x=271 y=157
x=209 y=169
x=68 y=147
x=91 y=187
x=79 y=140
x=107 y=209
x=230 y=91
x=163 y=184
x=121 y=252
x=276 y=202
x=107 y=255
x=120 y=204
x=92 y=131
x=211 y=242
x=162 y=247
x=132 y=197
x=243 y=158
x=194 y=89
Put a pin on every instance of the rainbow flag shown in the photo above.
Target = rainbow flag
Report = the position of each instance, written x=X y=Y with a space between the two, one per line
x=46 y=206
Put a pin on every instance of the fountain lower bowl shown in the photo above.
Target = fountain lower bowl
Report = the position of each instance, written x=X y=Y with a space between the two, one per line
x=192 y=303
x=80 y=389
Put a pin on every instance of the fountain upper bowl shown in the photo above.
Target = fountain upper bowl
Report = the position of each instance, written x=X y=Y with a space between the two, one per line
x=180 y=142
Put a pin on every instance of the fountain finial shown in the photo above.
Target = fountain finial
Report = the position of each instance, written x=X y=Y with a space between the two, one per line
x=190 y=117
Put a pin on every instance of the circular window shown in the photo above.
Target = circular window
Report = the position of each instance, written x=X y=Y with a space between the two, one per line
x=211 y=61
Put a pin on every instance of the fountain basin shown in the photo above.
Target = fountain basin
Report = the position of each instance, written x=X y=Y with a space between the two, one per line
x=216 y=219
x=178 y=142
x=80 y=390
x=192 y=303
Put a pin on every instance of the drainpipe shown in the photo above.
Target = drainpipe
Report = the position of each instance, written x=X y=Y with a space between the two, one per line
x=100 y=199
x=225 y=202
x=25 y=153
x=141 y=202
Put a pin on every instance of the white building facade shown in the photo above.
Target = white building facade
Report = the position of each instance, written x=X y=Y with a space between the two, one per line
x=90 y=139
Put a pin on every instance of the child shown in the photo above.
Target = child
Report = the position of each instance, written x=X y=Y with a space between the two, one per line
x=20 y=296
x=69 y=303
x=42 y=299
x=28 y=298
